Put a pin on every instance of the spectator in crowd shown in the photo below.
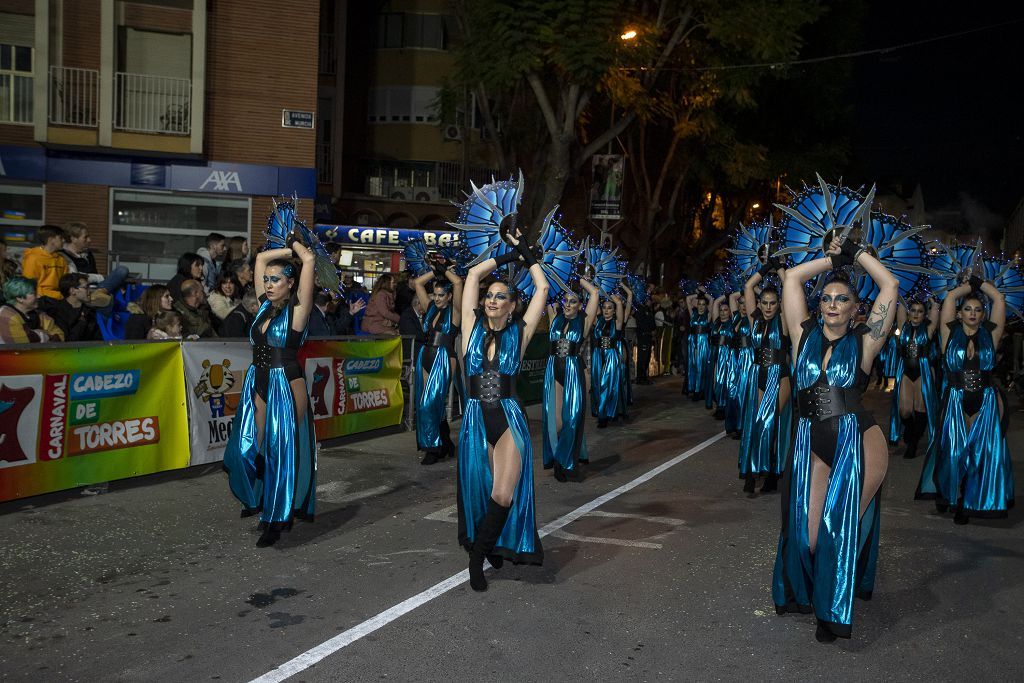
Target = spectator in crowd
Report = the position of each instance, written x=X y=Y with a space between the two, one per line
x=410 y=324
x=190 y=267
x=155 y=300
x=237 y=250
x=195 y=314
x=45 y=265
x=212 y=253
x=8 y=266
x=380 y=315
x=72 y=313
x=645 y=324
x=241 y=317
x=226 y=294
x=242 y=271
x=330 y=318
x=167 y=325
x=20 y=322
x=404 y=293
x=80 y=258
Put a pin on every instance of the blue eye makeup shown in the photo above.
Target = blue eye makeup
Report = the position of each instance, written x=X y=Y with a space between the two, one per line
x=272 y=278
x=496 y=297
x=838 y=298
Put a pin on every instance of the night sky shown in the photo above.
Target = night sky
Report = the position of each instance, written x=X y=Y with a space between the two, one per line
x=947 y=114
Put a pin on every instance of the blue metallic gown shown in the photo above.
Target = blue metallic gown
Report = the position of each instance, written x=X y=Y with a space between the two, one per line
x=844 y=561
x=739 y=372
x=973 y=467
x=432 y=395
x=918 y=336
x=719 y=365
x=567 y=446
x=518 y=541
x=698 y=349
x=890 y=357
x=606 y=369
x=766 y=430
x=277 y=477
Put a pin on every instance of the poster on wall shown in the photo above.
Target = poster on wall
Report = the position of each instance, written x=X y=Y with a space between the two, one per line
x=606 y=190
x=78 y=416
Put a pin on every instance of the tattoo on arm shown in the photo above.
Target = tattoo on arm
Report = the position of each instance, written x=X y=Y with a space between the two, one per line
x=877 y=319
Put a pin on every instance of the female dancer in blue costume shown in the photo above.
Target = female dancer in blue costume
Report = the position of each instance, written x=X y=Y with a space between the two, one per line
x=698 y=346
x=606 y=366
x=915 y=403
x=719 y=359
x=270 y=457
x=767 y=414
x=625 y=348
x=495 y=473
x=565 y=384
x=890 y=361
x=973 y=471
x=742 y=362
x=435 y=362
x=828 y=546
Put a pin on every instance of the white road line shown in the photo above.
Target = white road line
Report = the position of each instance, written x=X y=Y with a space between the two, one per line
x=566 y=536
x=671 y=521
x=329 y=647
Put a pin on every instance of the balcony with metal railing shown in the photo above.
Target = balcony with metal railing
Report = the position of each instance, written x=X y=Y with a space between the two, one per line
x=418 y=181
x=74 y=96
x=152 y=104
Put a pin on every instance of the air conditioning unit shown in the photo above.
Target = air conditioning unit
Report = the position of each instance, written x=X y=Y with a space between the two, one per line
x=401 y=194
x=426 y=194
x=451 y=132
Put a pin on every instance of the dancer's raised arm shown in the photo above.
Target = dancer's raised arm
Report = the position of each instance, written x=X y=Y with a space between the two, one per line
x=456 y=281
x=934 y=312
x=998 y=315
x=949 y=310
x=307 y=285
x=419 y=285
x=794 y=307
x=593 y=301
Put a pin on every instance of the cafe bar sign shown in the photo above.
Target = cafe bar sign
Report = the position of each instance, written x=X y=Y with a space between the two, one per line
x=384 y=237
x=297 y=119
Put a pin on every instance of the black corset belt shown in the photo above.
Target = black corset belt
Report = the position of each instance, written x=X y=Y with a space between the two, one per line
x=970 y=380
x=444 y=341
x=766 y=356
x=265 y=356
x=491 y=386
x=605 y=342
x=740 y=341
x=722 y=340
x=822 y=401
x=563 y=348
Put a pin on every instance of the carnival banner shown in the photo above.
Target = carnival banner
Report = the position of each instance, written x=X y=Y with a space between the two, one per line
x=354 y=386
x=530 y=383
x=83 y=415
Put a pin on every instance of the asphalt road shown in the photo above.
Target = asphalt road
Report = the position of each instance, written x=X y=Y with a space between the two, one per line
x=159 y=580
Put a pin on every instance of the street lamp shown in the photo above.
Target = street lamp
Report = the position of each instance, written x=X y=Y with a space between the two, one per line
x=630 y=34
x=755 y=205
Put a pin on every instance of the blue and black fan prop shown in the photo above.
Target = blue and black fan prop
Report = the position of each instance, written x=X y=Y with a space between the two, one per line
x=415 y=253
x=487 y=215
x=899 y=247
x=601 y=267
x=814 y=213
x=1008 y=279
x=284 y=222
x=639 y=287
x=419 y=260
x=950 y=265
x=751 y=247
x=556 y=257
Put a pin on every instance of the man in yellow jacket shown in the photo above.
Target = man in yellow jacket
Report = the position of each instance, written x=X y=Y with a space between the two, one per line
x=44 y=263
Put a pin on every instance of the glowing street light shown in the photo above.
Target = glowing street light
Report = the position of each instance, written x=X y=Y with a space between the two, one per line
x=628 y=35
x=755 y=205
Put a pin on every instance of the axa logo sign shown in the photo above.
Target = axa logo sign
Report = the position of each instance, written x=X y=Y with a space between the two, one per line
x=222 y=181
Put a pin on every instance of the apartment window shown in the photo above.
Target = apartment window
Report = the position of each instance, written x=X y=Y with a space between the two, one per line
x=15 y=83
x=411 y=30
x=21 y=212
x=150 y=230
x=403 y=104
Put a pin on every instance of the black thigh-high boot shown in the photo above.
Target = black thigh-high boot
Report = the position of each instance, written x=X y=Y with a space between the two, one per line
x=920 y=426
x=447 y=446
x=487 y=534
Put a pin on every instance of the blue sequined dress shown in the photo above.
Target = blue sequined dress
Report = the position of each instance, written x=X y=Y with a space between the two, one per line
x=698 y=348
x=719 y=365
x=739 y=375
x=567 y=446
x=273 y=472
x=832 y=424
x=518 y=541
x=973 y=468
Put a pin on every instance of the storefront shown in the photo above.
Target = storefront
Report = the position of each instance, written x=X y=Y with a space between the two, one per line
x=366 y=252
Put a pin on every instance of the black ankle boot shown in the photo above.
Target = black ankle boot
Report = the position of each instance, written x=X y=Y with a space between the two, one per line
x=602 y=422
x=750 y=484
x=447 y=445
x=487 y=534
x=823 y=635
x=911 y=435
x=431 y=458
x=268 y=538
x=560 y=473
x=771 y=483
